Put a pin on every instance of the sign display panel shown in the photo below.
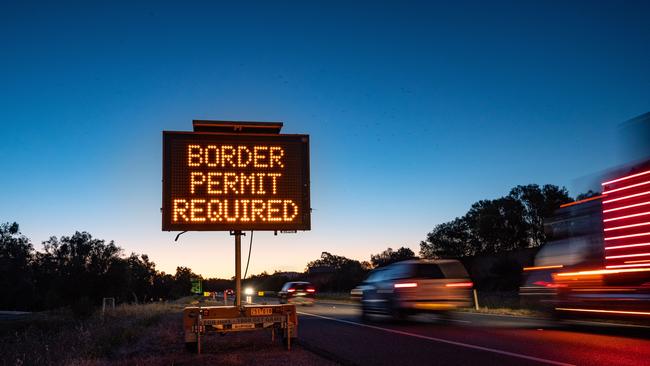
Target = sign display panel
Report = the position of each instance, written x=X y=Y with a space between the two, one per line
x=229 y=181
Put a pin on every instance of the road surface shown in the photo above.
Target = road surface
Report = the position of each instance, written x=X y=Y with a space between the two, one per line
x=335 y=330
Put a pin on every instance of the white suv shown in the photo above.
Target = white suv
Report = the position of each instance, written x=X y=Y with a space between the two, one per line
x=415 y=286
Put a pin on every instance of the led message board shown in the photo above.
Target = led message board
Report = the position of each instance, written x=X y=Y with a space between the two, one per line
x=230 y=181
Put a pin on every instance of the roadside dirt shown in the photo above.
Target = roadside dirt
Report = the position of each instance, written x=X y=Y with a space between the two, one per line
x=163 y=344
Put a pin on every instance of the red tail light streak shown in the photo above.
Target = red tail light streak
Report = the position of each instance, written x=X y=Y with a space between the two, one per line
x=626 y=207
x=627 y=216
x=626 y=178
x=628 y=255
x=626 y=219
x=460 y=284
x=606 y=311
x=626 y=187
x=627 y=197
x=627 y=246
x=537 y=268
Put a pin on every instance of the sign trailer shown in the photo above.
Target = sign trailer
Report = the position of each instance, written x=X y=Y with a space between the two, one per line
x=236 y=176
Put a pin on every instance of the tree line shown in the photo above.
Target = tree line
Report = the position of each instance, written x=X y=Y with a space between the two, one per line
x=507 y=223
x=77 y=271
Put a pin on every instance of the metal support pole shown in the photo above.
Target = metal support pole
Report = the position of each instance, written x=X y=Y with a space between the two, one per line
x=238 y=268
x=198 y=333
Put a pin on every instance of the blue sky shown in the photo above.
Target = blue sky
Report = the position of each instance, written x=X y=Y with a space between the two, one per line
x=415 y=110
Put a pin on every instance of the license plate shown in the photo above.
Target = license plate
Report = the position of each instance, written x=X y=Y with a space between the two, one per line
x=300 y=294
x=243 y=326
x=261 y=311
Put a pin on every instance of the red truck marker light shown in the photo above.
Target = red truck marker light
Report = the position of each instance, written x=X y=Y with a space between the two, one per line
x=460 y=284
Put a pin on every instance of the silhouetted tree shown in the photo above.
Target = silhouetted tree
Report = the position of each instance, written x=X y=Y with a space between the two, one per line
x=539 y=203
x=16 y=256
x=490 y=226
x=182 y=282
x=498 y=225
x=76 y=269
x=344 y=273
x=449 y=240
x=142 y=273
x=389 y=256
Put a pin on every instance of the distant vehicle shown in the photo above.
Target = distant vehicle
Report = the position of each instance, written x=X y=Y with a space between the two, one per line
x=230 y=292
x=298 y=292
x=416 y=286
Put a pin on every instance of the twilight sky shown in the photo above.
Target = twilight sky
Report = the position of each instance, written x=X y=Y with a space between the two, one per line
x=415 y=110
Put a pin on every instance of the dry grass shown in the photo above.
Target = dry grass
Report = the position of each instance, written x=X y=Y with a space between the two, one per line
x=58 y=338
x=507 y=311
x=148 y=334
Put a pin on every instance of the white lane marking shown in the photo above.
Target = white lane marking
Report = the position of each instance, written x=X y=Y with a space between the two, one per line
x=512 y=354
x=458 y=321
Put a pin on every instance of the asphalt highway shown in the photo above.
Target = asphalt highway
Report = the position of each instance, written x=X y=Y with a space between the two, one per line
x=335 y=330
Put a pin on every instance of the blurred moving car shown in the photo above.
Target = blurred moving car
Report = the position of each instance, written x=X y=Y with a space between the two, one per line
x=297 y=292
x=416 y=286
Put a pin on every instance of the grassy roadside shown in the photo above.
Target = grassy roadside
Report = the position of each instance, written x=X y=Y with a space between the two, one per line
x=149 y=334
x=60 y=338
x=529 y=313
